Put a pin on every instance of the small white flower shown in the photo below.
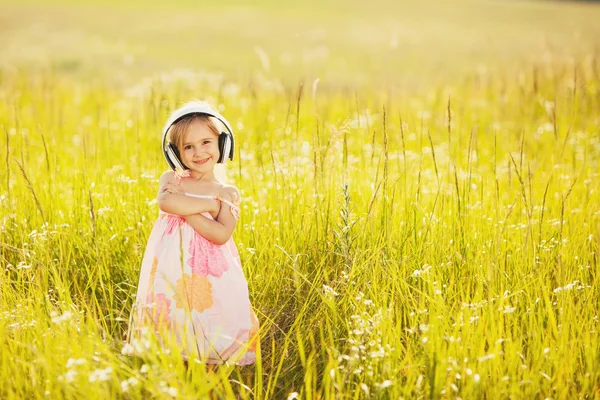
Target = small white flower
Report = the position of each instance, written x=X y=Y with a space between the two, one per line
x=419 y=381
x=104 y=210
x=377 y=354
x=292 y=396
x=75 y=361
x=567 y=287
x=385 y=384
x=140 y=346
x=100 y=375
x=328 y=290
x=127 y=349
x=23 y=265
x=365 y=388
x=424 y=269
x=70 y=375
x=486 y=357
x=65 y=317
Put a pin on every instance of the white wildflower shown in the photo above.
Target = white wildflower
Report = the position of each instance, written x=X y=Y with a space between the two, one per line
x=365 y=388
x=419 y=381
x=23 y=265
x=486 y=357
x=61 y=318
x=127 y=349
x=103 y=210
x=570 y=286
x=424 y=269
x=75 y=361
x=70 y=375
x=509 y=310
x=100 y=374
x=329 y=290
x=385 y=384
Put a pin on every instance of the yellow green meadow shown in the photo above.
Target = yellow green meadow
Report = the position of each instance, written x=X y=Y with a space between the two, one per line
x=420 y=194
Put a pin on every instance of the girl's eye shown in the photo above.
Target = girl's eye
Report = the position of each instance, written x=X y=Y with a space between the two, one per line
x=206 y=141
x=187 y=147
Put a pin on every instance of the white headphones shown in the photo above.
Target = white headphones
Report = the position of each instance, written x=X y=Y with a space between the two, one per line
x=226 y=140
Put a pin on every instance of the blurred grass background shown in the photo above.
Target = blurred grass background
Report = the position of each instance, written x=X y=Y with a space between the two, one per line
x=368 y=44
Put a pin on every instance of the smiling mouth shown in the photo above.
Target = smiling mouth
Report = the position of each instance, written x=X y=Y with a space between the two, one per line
x=202 y=161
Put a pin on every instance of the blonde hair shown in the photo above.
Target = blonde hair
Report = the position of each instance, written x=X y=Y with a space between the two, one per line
x=177 y=131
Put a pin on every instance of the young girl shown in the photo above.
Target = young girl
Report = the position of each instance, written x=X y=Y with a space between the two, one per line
x=192 y=288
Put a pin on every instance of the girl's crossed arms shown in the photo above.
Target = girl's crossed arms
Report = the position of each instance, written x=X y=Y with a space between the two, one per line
x=172 y=200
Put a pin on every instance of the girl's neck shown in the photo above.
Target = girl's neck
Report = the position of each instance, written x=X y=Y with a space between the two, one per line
x=203 y=177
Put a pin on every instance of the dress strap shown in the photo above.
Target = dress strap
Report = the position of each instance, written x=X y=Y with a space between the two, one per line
x=200 y=196
x=235 y=210
x=228 y=202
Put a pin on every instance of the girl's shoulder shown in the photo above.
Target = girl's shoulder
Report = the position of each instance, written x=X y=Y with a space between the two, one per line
x=231 y=193
x=167 y=177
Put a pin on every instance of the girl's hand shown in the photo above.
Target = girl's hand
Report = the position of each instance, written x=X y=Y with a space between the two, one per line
x=214 y=206
x=172 y=188
x=231 y=199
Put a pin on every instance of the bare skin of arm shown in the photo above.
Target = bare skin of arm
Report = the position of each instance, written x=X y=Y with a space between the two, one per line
x=172 y=200
x=220 y=230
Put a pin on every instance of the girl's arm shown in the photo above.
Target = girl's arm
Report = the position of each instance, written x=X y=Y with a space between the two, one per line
x=220 y=230
x=173 y=201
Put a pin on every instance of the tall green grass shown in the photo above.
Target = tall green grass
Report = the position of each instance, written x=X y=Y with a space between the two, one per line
x=398 y=243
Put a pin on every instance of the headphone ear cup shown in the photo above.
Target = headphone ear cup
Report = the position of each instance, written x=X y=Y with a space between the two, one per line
x=224 y=146
x=170 y=156
x=174 y=156
x=231 y=147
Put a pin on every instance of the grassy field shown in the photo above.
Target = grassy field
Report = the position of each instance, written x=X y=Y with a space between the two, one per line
x=421 y=194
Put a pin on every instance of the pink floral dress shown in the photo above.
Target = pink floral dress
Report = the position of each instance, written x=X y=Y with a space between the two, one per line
x=195 y=292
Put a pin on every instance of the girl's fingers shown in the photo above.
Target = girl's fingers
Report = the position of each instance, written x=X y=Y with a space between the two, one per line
x=170 y=188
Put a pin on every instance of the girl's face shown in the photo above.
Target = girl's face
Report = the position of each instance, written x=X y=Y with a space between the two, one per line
x=200 y=150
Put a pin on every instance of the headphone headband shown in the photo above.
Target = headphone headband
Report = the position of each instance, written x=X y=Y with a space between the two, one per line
x=194 y=107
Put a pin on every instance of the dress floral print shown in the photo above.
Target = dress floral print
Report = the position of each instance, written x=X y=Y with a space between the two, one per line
x=196 y=291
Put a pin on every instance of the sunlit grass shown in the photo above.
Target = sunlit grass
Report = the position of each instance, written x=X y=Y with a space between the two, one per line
x=438 y=243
